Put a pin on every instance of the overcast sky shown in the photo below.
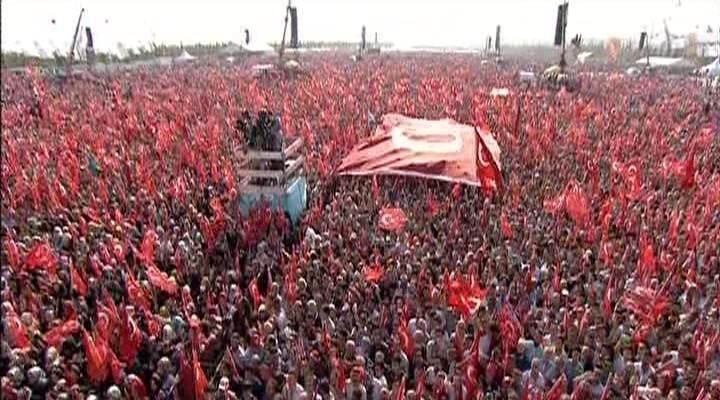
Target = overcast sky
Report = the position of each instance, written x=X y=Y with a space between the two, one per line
x=27 y=24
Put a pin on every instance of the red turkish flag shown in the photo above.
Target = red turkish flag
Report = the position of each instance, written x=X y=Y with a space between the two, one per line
x=420 y=387
x=606 y=253
x=160 y=279
x=112 y=311
x=95 y=359
x=433 y=206
x=510 y=328
x=684 y=170
x=201 y=382
x=692 y=235
x=607 y=297
x=554 y=205
x=375 y=188
x=673 y=226
x=647 y=266
x=147 y=247
x=17 y=331
x=290 y=290
x=42 y=256
x=688 y=170
x=577 y=204
x=255 y=293
x=137 y=294
x=231 y=360
x=116 y=367
x=136 y=387
x=78 y=283
x=193 y=381
x=374 y=273
x=433 y=149
x=505 y=227
x=400 y=395
x=471 y=367
x=341 y=381
x=407 y=343
x=457 y=192
x=632 y=176
x=392 y=219
x=558 y=389
x=647 y=304
x=102 y=326
x=634 y=180
x=153 y=326
x=582 y=391
x=13 y=254
x=55 y=336
x=130 y=338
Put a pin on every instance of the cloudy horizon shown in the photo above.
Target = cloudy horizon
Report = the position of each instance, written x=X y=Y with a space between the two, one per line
x=27 y=25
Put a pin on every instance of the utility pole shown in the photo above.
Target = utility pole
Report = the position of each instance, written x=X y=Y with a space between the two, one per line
x=68 y=67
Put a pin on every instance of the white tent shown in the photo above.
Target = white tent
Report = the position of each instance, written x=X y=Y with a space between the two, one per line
x=257 y=47
x=553 y=69
x=632 y=71
x=582 y=57
x=660 y=61
x=292 y=64
x=499 y=92
x=526 y=76
x=184 y=57
x=262 y=67
x=712 y=69
x=231 y=48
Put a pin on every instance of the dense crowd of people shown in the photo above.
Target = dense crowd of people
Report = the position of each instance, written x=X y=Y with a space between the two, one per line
x=129 y=271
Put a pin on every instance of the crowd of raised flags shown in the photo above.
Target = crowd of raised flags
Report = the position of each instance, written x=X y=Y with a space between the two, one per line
x=590 y=272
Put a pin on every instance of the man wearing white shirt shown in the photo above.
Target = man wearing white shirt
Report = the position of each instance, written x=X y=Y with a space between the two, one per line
x=292 y=389
x=354 y=388
x=533 y=378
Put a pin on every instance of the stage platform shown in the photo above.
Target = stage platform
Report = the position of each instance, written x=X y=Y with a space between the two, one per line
x=284 y=187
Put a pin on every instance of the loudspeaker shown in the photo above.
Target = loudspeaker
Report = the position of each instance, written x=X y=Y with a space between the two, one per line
x=293 y=28
x=560 y=24
x=489 y=43
x=247 y=36
x=643 y=39
x=88 y=34
x=497 y=38
x=362 y=38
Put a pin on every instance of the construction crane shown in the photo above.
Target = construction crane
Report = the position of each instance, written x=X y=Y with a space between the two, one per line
x=71 y=55
x=281 y=52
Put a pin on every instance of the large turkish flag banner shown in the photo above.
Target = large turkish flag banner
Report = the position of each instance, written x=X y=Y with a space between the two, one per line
x=434 y=149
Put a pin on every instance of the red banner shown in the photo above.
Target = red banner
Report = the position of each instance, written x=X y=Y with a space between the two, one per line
x=438 y=149
x=392 y=219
